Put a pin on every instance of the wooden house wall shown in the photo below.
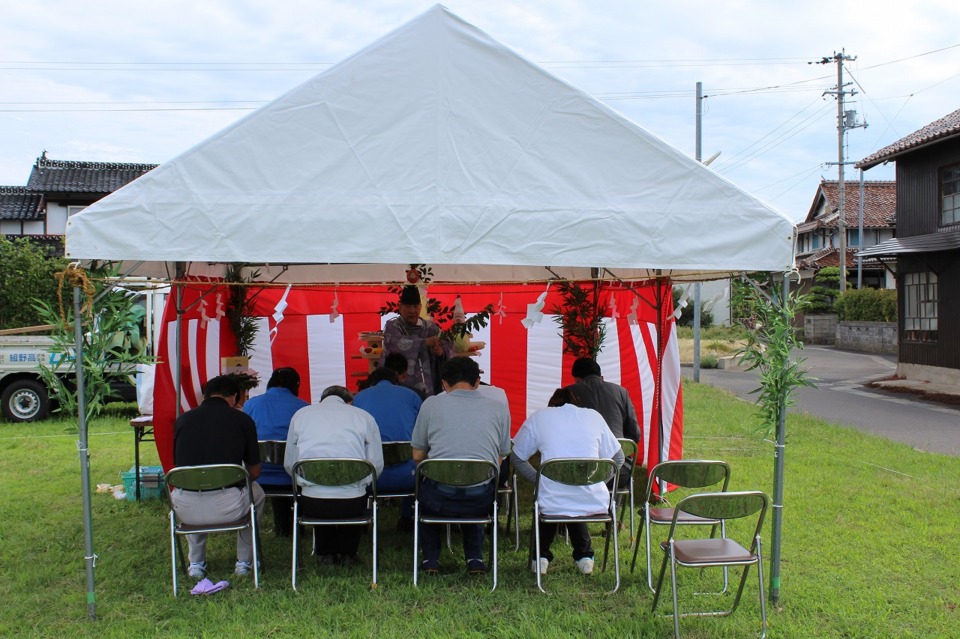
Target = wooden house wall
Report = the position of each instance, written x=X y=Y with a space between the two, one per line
x=945 y=351
x=918 y=187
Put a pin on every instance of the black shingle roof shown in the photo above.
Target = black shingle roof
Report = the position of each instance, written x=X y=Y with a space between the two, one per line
x=19 y=203
x=66 y=176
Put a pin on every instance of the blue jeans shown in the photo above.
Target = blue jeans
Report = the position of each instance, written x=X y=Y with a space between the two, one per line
x=446 y=501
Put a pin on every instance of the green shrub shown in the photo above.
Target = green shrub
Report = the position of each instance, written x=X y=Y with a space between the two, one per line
x=708 y=361
x=867 y=305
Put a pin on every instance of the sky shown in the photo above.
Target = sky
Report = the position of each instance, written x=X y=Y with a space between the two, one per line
x=117 y=81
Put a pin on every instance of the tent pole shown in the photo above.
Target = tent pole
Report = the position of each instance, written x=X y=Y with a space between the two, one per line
x=778 y=460
x=89 y=556
x=178 y=337
x=658 y=382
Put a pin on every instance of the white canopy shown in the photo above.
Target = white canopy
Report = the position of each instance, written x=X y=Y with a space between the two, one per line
x=437 y=145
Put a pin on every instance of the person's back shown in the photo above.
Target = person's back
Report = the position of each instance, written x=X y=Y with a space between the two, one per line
x=463 y=424
x=611 y=400
x=272 y=412
x=329 y=430
x=395 y=409
x=459 y=424
x=567 y=431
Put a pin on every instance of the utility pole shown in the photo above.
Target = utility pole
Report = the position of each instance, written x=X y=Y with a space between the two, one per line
x=696 y=286
x=840 y=91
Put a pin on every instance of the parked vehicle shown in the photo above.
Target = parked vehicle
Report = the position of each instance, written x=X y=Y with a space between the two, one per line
x=23 y=393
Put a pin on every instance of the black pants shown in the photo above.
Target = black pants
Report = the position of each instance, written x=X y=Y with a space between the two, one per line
x=335 y=540
x=579 y=540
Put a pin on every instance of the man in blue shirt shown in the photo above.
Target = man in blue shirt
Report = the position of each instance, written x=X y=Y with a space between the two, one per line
x=272 y=412
x=395 y=408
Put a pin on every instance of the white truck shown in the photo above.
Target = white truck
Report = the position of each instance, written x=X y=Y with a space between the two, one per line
x=23 y=394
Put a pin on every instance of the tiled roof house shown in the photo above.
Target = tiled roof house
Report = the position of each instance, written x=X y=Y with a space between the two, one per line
x=818 y=236
x=56 y=190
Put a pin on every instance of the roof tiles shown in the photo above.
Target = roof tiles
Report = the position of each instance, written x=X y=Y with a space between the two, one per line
x=19 y=203
x=65 y=176
x=946 y=127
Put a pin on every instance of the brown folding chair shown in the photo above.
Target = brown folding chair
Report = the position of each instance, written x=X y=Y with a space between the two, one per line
x=712 y=552
x=684 y=473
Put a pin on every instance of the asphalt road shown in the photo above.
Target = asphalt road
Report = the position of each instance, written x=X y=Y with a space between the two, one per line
x=842 y=397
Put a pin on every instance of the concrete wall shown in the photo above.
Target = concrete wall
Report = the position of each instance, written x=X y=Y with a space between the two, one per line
x=820 y=329
x=867 y=337
x=931 y=374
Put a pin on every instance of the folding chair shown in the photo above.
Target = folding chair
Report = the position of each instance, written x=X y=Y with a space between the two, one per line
x=455 y=473
x=203 y=478
x=578 y=472
x=509 y=490
x=332 y=472
x=705 y=553
x=685 y=473
x=272 y=451
x=629 y=448
x=395 y=453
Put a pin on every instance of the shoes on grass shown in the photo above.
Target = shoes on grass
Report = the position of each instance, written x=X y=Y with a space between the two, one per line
x=476 y=567
x=197 y=570
x=349 y=561
x=585 y=565
x=243 y=568
x=544 y=564
x=430 y=566
x=326 y=560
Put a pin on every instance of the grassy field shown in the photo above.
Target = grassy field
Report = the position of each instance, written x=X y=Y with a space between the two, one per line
x=868 y=528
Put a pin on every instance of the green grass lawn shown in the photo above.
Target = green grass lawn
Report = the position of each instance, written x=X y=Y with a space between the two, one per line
x=869 y=526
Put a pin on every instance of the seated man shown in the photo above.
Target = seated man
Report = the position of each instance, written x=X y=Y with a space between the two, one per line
x=334 y=428
x=395 y=409
x=217 y=433
x=565 y=430
x=459 y=424
x=612 y=401
x=272 y=412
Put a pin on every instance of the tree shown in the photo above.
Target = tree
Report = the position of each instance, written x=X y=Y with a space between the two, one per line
x=26 y=274
x=581 y=320
x=825 y=290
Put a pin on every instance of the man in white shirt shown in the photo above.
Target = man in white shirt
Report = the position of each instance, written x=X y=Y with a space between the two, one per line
x=566 y=430
x=334 y=428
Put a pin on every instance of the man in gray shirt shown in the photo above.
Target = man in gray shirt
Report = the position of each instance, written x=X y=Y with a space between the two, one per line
x=460 y=424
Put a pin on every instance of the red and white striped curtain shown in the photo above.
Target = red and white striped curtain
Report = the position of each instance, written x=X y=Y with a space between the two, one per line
x=316 y=330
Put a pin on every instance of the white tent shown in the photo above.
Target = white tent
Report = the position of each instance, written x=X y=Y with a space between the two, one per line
x=437 y=145
x=434 y=145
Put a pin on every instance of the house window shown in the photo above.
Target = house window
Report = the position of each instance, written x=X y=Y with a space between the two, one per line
x=853 y=238
x=73 y=210
x=950 y=203
x=816 y=240
x=920 y=307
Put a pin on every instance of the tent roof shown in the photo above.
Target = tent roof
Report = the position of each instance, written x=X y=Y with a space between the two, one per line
x=437 y=145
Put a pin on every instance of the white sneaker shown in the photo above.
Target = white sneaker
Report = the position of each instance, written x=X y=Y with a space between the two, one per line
x=585 y=565
x=197 y=570
x=243 y=568
x=544 y=564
